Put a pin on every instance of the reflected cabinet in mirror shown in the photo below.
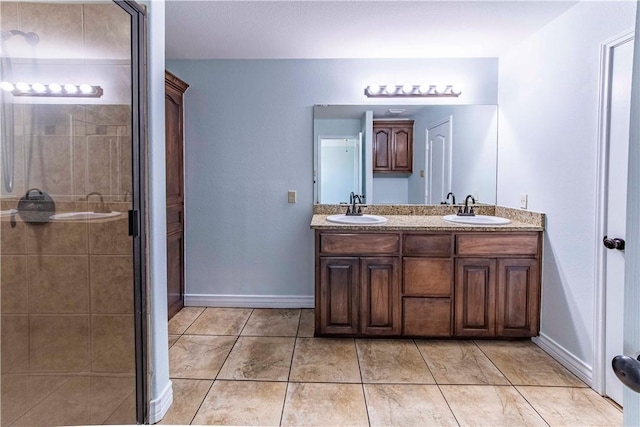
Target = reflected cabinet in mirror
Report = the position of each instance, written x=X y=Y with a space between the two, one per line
x=453 y=150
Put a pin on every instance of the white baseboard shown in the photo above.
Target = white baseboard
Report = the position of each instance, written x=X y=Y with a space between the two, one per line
x=158 y=407
x=249 y=301
x=565 y=358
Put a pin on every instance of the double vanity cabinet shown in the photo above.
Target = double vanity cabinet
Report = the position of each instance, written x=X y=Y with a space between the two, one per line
x=462 y=282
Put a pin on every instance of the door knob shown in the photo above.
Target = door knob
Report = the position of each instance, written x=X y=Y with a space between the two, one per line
x=627 y=369
x=613 y=243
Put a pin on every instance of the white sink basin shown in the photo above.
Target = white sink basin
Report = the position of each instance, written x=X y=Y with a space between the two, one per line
x=478 y=219
x=80 y=216
x=8 y=212
x=359 y=220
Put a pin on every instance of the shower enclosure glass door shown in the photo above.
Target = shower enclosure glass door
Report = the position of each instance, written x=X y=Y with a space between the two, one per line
x=71 y=294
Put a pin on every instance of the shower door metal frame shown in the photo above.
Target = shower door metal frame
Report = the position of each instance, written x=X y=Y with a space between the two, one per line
x=137 y=221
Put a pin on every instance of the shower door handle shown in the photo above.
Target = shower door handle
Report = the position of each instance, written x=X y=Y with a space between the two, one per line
x=627 y=369
x=134 y=223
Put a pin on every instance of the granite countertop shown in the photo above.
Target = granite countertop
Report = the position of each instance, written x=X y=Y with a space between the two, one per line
x=410 y=218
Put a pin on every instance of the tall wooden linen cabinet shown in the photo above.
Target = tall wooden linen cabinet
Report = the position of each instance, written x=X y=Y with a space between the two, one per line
x=174 y=131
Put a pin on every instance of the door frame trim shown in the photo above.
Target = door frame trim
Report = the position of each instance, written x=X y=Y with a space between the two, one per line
x=600 y=365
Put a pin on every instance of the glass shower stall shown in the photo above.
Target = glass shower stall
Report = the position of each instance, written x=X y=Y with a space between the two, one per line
x=72 y=340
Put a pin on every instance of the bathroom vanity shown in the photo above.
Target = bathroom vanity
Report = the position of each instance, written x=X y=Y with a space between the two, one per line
x=420 y=276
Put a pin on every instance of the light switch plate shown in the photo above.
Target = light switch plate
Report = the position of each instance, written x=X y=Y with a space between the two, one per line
x=524 y=199
x=291 y=196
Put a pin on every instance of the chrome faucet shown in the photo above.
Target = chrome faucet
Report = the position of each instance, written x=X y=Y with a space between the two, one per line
x=101 y=207
x=353 y=199
x=468 y=210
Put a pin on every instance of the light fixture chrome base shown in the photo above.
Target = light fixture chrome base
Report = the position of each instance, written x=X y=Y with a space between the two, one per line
x=423 y=90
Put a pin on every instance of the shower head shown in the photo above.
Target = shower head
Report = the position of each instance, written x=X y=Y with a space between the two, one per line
x=31 y=38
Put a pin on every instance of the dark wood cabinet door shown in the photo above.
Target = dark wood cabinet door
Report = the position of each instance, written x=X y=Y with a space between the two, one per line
x=381 y=149
x=380 y=309
x=339 y=296
x=174 y=145
x=475 y=297
x=175 y=272
x=174 y=150
x=518 y=302
x=393 y=146
x=402 y=158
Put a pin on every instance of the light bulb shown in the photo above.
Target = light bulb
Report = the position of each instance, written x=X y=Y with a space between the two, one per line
x=423 y=88
x=38 y=87
x=85 y=88
x=391 y=89
x=456 y=89
x=7 y=86
x=70 y=88
x=373 y=89
x=22 y=86
x=55 y=88
x=407 y=88
x=440 y=89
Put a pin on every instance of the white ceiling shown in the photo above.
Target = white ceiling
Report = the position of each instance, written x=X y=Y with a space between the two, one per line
x=351 y=29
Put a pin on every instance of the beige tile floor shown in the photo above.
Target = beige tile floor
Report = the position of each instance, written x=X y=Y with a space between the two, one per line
x=264 y=367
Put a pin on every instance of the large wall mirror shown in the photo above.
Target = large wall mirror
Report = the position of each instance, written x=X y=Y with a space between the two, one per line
x=455 y=150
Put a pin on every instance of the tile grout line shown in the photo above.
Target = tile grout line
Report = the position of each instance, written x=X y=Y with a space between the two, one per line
x=437 y=384
x=511 y=383
x=209 y=389
x=425 y=361
x=364 y=395
x=286 y=389
x=213 y=381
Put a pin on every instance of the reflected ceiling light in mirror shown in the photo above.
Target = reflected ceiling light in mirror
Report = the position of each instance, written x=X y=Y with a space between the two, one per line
x=70 y=90
x=408 y=90
x=6 y=86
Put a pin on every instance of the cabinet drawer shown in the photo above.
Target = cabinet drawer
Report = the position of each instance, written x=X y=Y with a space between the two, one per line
x=359 y=244
x=427 y=276
x=429 y=244
x=428 y=317
x=497 y=245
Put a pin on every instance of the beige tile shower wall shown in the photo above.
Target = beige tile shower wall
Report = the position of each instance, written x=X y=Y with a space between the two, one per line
x=90 y=31
x=66 y=315
x=70 y=151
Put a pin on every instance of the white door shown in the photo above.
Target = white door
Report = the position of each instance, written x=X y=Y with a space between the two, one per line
x=632 y=268
x=339 y=167
x=616 y=208
x=438 y=161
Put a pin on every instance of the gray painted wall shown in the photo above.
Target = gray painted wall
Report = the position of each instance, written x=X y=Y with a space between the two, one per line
x=548 y=131
x=249 y=139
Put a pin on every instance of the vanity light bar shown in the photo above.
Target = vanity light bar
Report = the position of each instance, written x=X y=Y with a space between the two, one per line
x=68 y=90
x=423 y=90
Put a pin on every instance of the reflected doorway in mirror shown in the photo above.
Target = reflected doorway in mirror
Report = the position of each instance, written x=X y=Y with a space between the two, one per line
x=439 y=161
x=339 y=168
